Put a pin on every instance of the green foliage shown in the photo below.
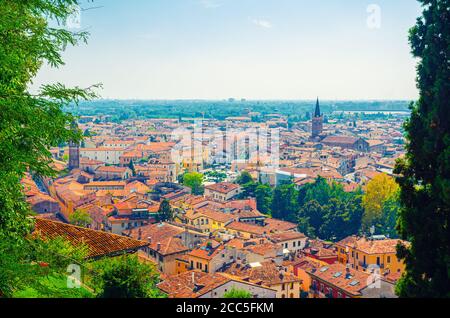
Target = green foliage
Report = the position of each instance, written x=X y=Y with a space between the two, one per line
x=284 y=203
x=263 y=194
x=424 y=174
x=125 y=277
x=56 y=287
x=194 y=180
x=80 y=218
x=328 y=212
x=131 y=166
x=378 y=191
x=26 y=264
x=244 y=178
x=216 y=176
x=31 y=123
x=237 y=294
x=165 y=212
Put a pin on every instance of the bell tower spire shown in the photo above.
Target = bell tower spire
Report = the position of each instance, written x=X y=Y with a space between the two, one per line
x=317 y=122
x=317 y=112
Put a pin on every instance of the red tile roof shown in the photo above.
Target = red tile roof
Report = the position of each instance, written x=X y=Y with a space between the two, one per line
x=99 y=243
x=336 y=275
x=191 y=284
x=268 y=273
x=223 y=187
x=162 y=238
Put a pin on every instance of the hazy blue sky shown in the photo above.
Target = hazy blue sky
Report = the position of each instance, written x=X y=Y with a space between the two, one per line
x=255 y=49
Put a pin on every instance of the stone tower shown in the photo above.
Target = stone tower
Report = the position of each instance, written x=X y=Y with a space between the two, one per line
x=317 y=121
x=74 y=153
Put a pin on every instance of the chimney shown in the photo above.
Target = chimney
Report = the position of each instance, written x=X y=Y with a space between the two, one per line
x=158 y=247
x=140 y=234
x=149 y=239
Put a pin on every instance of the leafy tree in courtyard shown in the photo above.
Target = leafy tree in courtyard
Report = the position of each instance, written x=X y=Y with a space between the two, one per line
x=311 y=218
x=424 y=174
x=165 y=212
x=237 y=294
x=284 y=202
x=194 y=180
x=327 y=211
x=378 y=191
x=81 y=218
x=263 y=194
x=125 y=277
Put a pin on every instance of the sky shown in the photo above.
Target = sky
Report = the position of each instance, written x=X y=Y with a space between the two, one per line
x=253 y=49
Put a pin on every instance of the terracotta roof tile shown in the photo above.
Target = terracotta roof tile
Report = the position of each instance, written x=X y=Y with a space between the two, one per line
x=99 y=243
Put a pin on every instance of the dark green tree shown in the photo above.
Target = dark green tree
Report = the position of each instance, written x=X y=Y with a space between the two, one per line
x=263 y=194
x=131 y=166
x=284 y=203
x=328 y=212
x=424 y=174
x=165 y=212
x=244 y=178
x=310 y=218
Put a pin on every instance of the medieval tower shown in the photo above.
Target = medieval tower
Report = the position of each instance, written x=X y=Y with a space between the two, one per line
x=317 y=122
x=74 y=153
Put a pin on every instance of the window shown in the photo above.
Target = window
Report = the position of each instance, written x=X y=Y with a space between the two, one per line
x=283 y=287
x=378 y=261
x=292 y=286
x=206 y=268
x=293 y=244
x=388 y=259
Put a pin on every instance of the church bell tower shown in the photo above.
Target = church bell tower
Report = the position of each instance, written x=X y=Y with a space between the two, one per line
x=317 y=122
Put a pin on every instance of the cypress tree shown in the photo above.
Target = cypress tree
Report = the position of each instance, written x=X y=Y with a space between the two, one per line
x=424 y=174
